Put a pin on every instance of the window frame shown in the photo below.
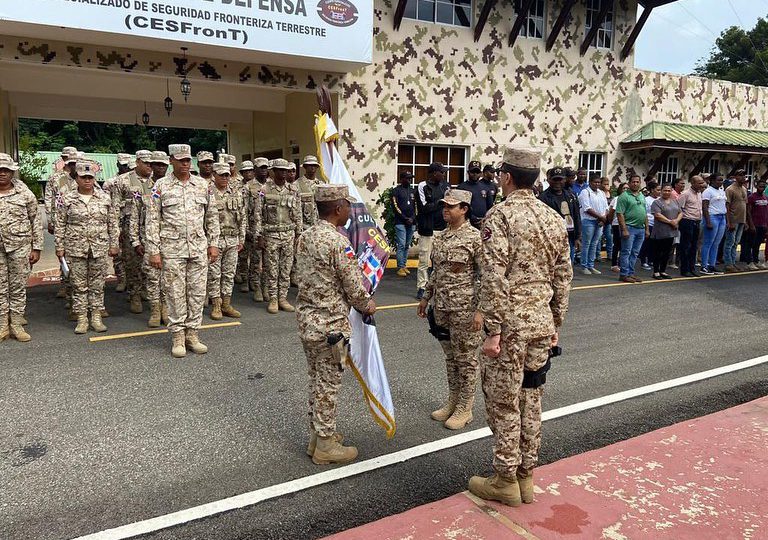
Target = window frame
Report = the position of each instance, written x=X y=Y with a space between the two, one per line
x=592 y=154
x=413 y=165
x=709 y=169
x=434 y=20
x=666 y=174
x=529 y=17
x=610 y=19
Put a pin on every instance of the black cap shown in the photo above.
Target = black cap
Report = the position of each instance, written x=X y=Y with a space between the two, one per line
x=436 y=167
x=405 y=174
x=489 y=167
x=556 y=172
x=569 y=172
x=474 y=166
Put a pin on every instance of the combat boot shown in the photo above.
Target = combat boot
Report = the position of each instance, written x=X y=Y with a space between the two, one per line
x=216 y=314
x=104 y=313
x=154 y=315
x=338 y=437
x=17 y=329
x=73 y=316
x=136 y=306
x=121 y=285
x=328 y=451
x=96 y=322
x=444 y=413
x=285 y=306
x=5 y=330
x=273 y=306
x=496 y=488
x=178 y=350
x=525 y=481
x=462 y=415
x=62 y=292
x=24 y=321
x=238 y=278
x=258 y=296
x=163 y=313
x=227 y=309
x=82 y=324
x=244 y=287
x=193 y=343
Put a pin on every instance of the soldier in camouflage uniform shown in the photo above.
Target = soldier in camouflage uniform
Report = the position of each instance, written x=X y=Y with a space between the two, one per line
x=248 y=174
x=276 y=225
x=253 y=274
x=21 y=241
x=232 y=224
x=453 y=289
x=182 y=227
x=526 y=278
x=205 y=164
x=123 y=161
x=305 y=191
x=64 y=179
x=235 y=177
x=159 y=164
x=86 y=232
x=311 y=166
x=329 y=283
x=129 y=189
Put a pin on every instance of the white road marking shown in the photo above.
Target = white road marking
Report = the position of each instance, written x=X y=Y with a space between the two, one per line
x=279 y=490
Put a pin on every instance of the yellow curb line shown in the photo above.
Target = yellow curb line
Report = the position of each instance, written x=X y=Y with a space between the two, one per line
x=154 y=332
x=649 y=281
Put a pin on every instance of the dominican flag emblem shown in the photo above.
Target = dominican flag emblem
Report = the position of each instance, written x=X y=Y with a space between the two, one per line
x=155 y=193
x=349 y=252
x=372 y=269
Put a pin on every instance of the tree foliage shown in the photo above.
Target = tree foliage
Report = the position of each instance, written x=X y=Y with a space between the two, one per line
x=739 y=55
x=93 y=137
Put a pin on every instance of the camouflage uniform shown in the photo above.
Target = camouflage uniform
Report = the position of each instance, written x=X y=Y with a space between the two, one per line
x=21 y=231
x=253 y=269
x=277 y=219
x=109 y=187
x=526 y=277
x=85 y=231
x=232 y=221
x=329 y=283
x=453 y=290
x=137 y=233
x=305 y=190
x=181 y=223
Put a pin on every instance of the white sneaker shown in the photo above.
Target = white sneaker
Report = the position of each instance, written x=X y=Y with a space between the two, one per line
x=586 y=272
x=763 y=266
x=595 y=271
x=752 y=266
x=647 y=267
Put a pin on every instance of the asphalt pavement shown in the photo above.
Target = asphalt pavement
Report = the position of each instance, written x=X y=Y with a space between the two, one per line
x=97 y=435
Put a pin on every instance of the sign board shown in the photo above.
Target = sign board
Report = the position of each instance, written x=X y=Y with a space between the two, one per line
x=325 y=29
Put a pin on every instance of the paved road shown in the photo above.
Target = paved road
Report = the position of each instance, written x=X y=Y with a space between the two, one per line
x=97 y=435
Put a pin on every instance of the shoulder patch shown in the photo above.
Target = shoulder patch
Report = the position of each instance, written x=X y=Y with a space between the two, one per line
x=486 y=233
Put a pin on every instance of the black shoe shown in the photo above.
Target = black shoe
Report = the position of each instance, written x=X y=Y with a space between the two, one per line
x=707 y=271
x=419 y=294
x=664 y=275
x=695 y=274
x=715 y=271
x=656 y=276
x=686 y=274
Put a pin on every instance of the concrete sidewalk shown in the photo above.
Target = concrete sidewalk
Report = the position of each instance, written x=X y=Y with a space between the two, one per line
x=705 y=478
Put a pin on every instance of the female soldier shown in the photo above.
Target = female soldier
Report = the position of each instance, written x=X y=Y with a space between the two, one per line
x=21 y=240
x=86 y=232
x=232 y=217
x=453 y=289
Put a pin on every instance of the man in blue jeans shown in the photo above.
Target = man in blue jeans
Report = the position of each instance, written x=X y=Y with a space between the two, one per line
x=594 y=215
x=403 y=203
x=633 y=224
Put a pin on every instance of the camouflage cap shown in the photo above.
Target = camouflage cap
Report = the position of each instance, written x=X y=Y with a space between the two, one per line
x=556 y=172
x=144 y=155
x=232 y=160
x=204 y=155
x=132 y=162
x=246 y=166
x=333 y=192
x=123 y=159
x=86 y=168
x=68 y=150
x=180 y=151
x=71 y=157
x=310 y=160
x=261 y=162
x=159 y=156
x=474 y=166
x=6 y=162
x=291 y=166
x=221 y=168
x=457 y=196
x=522 y=158
x=281 y=163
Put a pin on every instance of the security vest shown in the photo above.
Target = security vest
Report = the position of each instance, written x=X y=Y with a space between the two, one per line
x=137 y=189
x=276 y=207
x=306 y=193
x=230 y=206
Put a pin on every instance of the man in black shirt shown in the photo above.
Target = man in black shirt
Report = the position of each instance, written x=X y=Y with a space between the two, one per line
x=404 y=205
x=489 y=181
x=565 y=203
x=429 y=218
x=481 y=195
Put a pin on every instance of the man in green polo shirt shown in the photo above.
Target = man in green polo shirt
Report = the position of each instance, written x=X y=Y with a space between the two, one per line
x=633 y=223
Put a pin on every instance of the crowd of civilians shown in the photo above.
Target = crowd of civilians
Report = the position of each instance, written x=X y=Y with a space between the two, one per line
x=693 y=227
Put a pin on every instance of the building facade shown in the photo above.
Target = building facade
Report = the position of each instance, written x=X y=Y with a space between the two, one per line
x=430 y=92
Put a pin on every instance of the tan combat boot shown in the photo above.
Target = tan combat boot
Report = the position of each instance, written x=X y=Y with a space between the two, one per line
x=154 y=315
x=73 y=316
x=285 y=306
x=136 y=306
x=462 y=415
x=121 y=285
x=96 y=322
x=525 y=481
x=338 y=437
x=5 y=330
x=244 y=287
x=273 y=306
x=62 y=292
x=496 y=488
x=17 y=329
x=104 y=313
x=82 y=324
x=193 y=342
x=216 y=314
x=227 y=309
x=24 y=321
x=163 y=313
x=328 y=451
x=238 y=278
x=178 y=350
x=258 y=296
x=444 y=413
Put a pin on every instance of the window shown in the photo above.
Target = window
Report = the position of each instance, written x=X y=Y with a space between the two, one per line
x=415 y=158
x=712 y=166
x=604 y=37
x=669 y=172
x=594 y=162
x=533 y=27
x=454 y=12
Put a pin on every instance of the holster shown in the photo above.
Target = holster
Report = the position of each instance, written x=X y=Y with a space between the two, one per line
x=440 y=332
x=339 y=345
x=535 y=379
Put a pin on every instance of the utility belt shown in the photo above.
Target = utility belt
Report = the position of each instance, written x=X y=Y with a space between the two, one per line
x=278 y=228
